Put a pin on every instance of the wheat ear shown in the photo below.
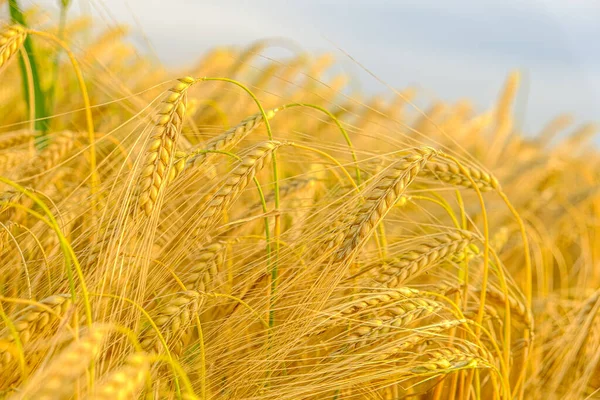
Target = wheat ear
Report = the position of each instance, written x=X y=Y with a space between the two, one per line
x=226 y=140
x=365 y=302
x=205 y=267
x=418 y=336
x=173 y=320
x=423 y=257
x=450 y=173
x=10 y=140
x=399 y=316
x=125 y=382
x=160 y=151
x=11 y=39
x=34 y=320
x=382 y=197
x=238 y=179
x=516 y=306
x=56 y=380
x=445 y=360
x=62 y=143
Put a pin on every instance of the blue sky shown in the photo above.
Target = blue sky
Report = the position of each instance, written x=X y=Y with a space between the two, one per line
x=450 y=48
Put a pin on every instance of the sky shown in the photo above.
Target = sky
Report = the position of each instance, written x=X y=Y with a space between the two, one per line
x=449 y=49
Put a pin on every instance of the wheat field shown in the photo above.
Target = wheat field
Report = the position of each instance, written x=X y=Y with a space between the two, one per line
x=251 y=228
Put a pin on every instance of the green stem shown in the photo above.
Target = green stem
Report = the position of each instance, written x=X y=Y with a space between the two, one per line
x=41 y=123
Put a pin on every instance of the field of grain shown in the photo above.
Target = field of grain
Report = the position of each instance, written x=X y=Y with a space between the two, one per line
x=230 y=231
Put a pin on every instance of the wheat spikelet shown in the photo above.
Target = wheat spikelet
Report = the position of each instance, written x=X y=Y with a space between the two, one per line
x=56 y=380
x=450 y=173
x=237 y=180
x=417 y=337
x=365 y=302
x=418 y=260
x=11 y=39
x=204 y=267
x=445 y=360
x=174 y=320
x=397 y=317
x=13 y=139
x=286 y=190
x=10 y=160
x=160 y=151
x=62 y=143
x=32 y=321
x=517 y=307
x=225 y=141
x=382 y=197
x=125 y=382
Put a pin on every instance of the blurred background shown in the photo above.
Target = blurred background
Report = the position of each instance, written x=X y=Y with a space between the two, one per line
x=448 y=49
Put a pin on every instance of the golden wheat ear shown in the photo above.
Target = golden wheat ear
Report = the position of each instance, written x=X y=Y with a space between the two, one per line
x=388 y=189
x=125 y=382
x=256 y=159
x=173 y=320
x=33 y=321
x=11 y=40
x=161 y=149
x=57 y=379
x=225 y=141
